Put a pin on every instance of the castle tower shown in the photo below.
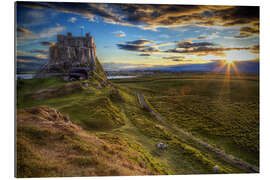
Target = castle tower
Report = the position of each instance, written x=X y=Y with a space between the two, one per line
x=72 y=52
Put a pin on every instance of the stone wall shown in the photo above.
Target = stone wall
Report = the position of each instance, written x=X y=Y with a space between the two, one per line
x=71 y=52
x=87 y=42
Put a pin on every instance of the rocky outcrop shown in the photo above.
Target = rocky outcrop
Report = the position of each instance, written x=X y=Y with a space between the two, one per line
x=64 y=58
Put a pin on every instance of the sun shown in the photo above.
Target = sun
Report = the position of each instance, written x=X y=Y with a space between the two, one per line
x=229 y=61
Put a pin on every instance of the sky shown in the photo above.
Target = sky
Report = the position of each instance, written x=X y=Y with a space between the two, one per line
x=143 y=36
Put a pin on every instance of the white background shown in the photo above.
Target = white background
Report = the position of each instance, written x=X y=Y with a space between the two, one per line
x=7 y=90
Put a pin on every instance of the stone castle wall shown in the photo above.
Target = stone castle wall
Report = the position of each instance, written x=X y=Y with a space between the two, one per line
x=70 y=51
x=69 y=40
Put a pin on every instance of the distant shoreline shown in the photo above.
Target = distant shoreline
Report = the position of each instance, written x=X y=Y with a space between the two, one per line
x=31 y=76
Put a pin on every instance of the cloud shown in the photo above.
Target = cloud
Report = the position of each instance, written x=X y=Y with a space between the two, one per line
x=40 y=51
x=35 y=14
x=137 y=45
x=192 y=45
x=151 y=17
x=203 y=48
x=25 y=33
x=33 y=57
x=255 y=49
x=32 y=17
x=150 y=49
x=185 y=47
x=120 y=33
x=47 y=43
x=202 y=37
x=144 y=54
x=175 y=58
x=141 y=45
x=27 y=61
x=21 y=53
x=52 y=31
x=212 y=36
x=239 y=37
x=130 y=47
x=248 y=32
x=23 y=30
x=140 y=42
x=204 y=51
x=239 y=15
x=72 y=19
x=163 y=44
x=88 y=11
x=41 y=56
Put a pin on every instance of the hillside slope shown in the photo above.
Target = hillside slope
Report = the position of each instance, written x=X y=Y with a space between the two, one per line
x=93 y=129
x=49 y=144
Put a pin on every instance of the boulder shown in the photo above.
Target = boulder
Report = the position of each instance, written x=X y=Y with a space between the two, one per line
x=216 y=168
x=162 y=146
x=86 y=84
x=66 y=78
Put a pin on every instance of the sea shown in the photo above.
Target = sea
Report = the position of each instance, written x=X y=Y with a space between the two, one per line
x=31 y=76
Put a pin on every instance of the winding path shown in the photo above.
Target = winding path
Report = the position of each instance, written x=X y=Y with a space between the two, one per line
x=238 y=162
x=144 y=105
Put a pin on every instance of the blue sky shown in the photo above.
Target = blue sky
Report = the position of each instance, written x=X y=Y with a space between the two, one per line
x=141 y=36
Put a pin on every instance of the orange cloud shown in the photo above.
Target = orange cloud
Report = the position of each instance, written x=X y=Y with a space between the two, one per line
x=153 y=16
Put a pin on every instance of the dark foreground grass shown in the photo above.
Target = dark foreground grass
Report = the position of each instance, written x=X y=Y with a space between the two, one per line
x=49 y=146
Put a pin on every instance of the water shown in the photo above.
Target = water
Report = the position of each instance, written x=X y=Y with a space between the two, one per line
x=25 y=76
x=120 y=77
x=30 y=76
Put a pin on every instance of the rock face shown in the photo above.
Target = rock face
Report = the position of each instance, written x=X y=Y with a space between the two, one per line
x=72 y=52
x=162 y=146
x=216 y=168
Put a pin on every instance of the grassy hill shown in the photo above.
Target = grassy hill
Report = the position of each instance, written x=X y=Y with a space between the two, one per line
x=70 y=129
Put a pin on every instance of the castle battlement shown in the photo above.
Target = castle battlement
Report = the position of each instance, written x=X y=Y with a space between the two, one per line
x=73 y=41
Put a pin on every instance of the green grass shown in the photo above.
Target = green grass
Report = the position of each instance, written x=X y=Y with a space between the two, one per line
x=224 y=114
x=48 y=147
x=96 y=115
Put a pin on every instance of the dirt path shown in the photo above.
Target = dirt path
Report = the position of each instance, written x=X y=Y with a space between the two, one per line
x=144 y=105
x=238 y=162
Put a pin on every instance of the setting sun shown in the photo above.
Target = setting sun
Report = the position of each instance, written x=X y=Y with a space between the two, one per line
x=229 y=61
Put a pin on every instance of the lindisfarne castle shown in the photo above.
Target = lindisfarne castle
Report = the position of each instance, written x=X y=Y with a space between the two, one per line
x=72 y=54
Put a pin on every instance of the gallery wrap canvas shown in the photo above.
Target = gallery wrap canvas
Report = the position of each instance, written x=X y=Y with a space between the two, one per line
x=115 y=89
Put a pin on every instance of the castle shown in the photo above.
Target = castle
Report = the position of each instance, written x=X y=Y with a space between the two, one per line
x=71 y=52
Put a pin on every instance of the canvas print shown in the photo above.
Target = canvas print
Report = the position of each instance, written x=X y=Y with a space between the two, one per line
x=114 y=89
